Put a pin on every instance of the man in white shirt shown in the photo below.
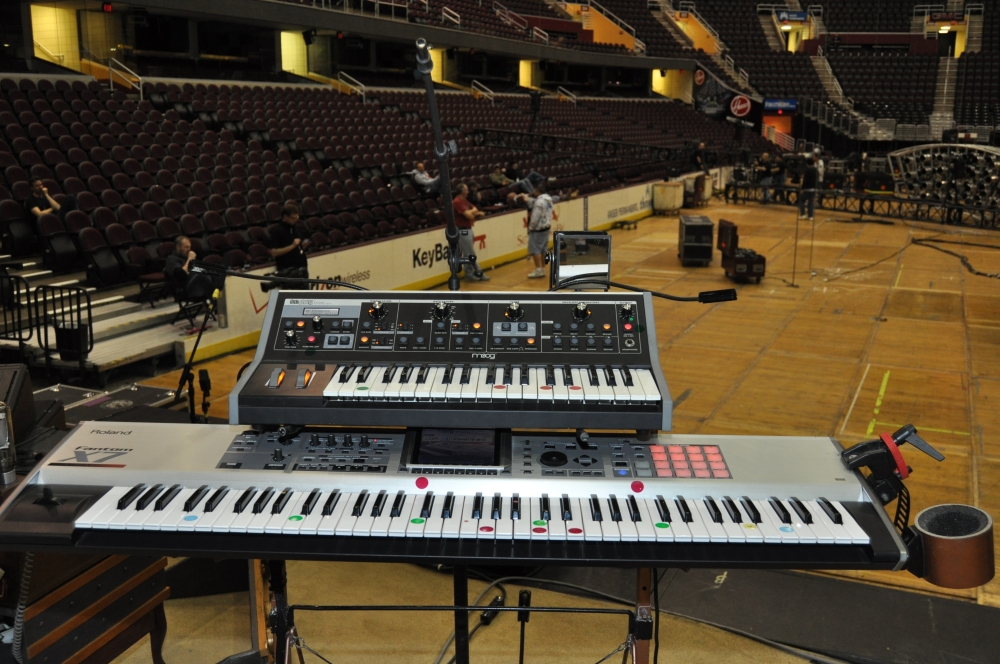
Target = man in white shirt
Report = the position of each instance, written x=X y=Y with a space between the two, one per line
x=424 y=180
x=542 y=208
x=820 y=166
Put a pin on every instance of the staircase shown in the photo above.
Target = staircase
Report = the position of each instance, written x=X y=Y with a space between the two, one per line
x=794 y=5
x=774 y=39
x=829 y=80
x=974 y=33
x=558 y=10
x=943 y=116
x=668 y=24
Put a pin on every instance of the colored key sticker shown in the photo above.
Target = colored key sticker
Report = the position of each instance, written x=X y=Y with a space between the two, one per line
x=661 y=524
x=295 y=517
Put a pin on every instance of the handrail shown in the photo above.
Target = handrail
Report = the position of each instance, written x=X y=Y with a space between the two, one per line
x=483 y=90
x=451 y=15
x=55 y=56
x=640 y=46
x=425 y=3
x=614 y=18
x=924 y=10
x=509 y=17
x=352 y=83
x=744 y=77
x=539 y=34
x=976 y=8
x=137 y=84
x=566 y=93
x=689 y=7
x=815 y=10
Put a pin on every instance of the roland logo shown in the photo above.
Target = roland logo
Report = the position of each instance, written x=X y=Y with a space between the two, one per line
x=110 y=432
x=484 y=356
x=87 y=448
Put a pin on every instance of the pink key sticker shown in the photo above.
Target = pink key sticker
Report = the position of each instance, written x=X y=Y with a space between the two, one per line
x=422 y=482
x=575 y=387
x=499 y=387
x=574 y=531
x=637 y=487
x=545 y=387
x=538 y=530
x=486 y=529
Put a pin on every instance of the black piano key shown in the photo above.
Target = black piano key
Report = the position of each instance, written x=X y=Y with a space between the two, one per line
x=595 y=508
x=565 y=508
x=345 y=375
x=616 y=512
x=752 y=512
x=425 y=509
x=379 y=503
x=801 y=510
x=477 y=506
x=167 y=497
x=422 y=374
x=491 y=375
x=780 y=510
x=244 y=500
x=683 y=509
x=592 y=375
x=263 y=500
x=331 y=502
x=633 y=510
x=448 y=509
x=404 y=376
x=466 y=375
x=132 y=494
x=359 y=504
x=734 y=512
x=515 y=507
x=147 y=497
x=496 y=510
x=663 y=509
x=397 y=504
x=448 y=371
x=216 y=498
x=830 y=510
x=310 y=504
x=567 y=376
x=627 y=375
x=546 y=511
x=195 y=498
x=508 y=376
x=524 y=374
x=550 y=375
x=281 y=500
x=713 y=509
x=389 y=371
x=609 y=376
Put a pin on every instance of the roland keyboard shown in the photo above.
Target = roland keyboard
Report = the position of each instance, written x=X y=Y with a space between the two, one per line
x=458 y=496
x=534 y=360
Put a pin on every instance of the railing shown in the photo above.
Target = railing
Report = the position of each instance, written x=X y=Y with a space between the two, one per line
x=478 y=87
x=510 y=18
x=563 y=92
x=351 y=83
x=922 y=11
x=66 y=312
x=425 y=3
x=539 y=34
x=782 y=140
x=690 y=9
x=815 y=11
x=451 y=16
x=612 y=17
x=14 y=303
x=974 y=9
x=640 y=46
x=134 y=85
x=55 y=56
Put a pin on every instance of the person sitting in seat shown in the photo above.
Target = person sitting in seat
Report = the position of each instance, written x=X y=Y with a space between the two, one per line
x=40 y=202
x=498 y=178
x=289 y=241
x=528 y=182
x=424 y=180
x=179 y=260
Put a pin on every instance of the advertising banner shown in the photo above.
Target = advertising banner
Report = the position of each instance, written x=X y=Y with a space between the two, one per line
x=789 y=105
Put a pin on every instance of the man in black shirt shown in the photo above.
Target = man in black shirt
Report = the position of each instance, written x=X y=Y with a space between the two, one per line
x=40 y=202
x=288 y=244
x=807 y=194
x=698 y=158
x=178 y=264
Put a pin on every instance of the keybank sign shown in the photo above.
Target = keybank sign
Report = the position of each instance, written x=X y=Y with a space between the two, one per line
x=428 y=257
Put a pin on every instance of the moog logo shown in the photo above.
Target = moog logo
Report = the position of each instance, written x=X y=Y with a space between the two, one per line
x=484 y=356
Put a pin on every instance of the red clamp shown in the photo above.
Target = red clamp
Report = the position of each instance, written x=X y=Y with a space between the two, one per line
x=901 y=468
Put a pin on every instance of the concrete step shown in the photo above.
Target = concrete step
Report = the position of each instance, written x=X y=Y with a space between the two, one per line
x=125 y=323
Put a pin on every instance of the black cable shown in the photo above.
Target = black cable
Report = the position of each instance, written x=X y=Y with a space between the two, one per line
x=294 y=280
x=239 y=374
x=656 y=616
x=923 y=242
x=705 y=297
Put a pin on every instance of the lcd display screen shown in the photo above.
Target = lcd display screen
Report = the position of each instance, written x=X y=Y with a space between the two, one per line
x=456 y=447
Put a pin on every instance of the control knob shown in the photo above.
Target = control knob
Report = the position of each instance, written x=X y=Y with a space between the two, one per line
x=290 y=339
x=377 y=311
x=581 y=311
x=441 y=310
x=514 y=311
x=627 y=311
x=317 y=324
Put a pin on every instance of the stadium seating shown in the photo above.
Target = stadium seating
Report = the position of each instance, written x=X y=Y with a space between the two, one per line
x=977 y=88
x=866 y=16
x=888 y=85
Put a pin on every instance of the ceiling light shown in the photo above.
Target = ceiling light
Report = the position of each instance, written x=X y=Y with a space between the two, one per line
x=944 y=29
x=786 y=27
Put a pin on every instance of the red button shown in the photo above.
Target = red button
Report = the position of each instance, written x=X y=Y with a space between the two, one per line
x=574 y=531
x=683 y=473
x=637 y=487
x=678 y=457
x=694 y=448
x=661 y=464
x=422 y=482
x=696 y=457
x=664 y=472
x=680 y=464
x=627 y=326
x=714 y=457
x=674 y=449
x=699 y=465
x=717 y=465
x=711 y=449
x=721 y=473
x=701 y=473
x=538 y=530
x=656 y=448
x=486 y=529
x=311 y=339
x=659 y=455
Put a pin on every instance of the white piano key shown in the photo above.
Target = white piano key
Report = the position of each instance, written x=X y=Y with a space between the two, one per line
x=636 y=394
x=397 y=527
x=818 y=526
x=469 y=528
x=363 y=391
x=805 y=533
x=434 y=524
x=95 y=516
x=392 y=390
x=522 y=524
x=529 y=392
x=515 y=391
x=500 y=390
x=121 y=517
x=259 y=520
x=439 y=389
x=332 y=388
x=345 y=526
x=487 y=524
x=574 y=525
x=276 y=524
x=453 y=391
x=422 y=391
x=560 y=393
x=451 y=526
x=622 y=393
x=581 y=378
x=837 y=531
x=321 y=524
x=346 y=387
x=416 y=523
x=208 y=519
x=645 y=526
x=858 y=534
x=408 y=390
x=139 y=517
x=667 y=530
x=295 y=520
x=505 y=525
x=575 y=390
x=363 y=524
x=537 y=527
x=786 y=533
x=380 y=524
x=545 y=391
x=716 y=533
x=592 y=531
x=555 y=523
x=626 y=527
x=767 y=525
x=604 y=391
x=174 y=512
x=227 y=515
x=745 y=529
x=699 y=532
x=733 y=531
x=379 y=387
x=470 y=391
x=484 y=389
x=645 y=379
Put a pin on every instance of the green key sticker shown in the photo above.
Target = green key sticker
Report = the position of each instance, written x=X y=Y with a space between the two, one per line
x=417 y=521
x=539 y=522
x=295 y=517
x=662 y=525
x=362 y=388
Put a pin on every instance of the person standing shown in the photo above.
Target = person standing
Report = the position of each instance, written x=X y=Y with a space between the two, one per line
x=807 y=193
x=288 y=244
x=539 y=225
x=698 y=158
x=465 y=217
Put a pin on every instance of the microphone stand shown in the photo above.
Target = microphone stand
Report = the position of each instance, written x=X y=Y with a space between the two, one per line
x=187 y=375
x=442 y=152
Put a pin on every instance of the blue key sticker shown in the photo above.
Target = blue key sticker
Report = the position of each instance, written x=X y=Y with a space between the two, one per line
x=787 y=529
x=191 y=517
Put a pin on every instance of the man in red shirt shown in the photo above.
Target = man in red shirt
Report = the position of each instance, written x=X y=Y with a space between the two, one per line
x=465 y=216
